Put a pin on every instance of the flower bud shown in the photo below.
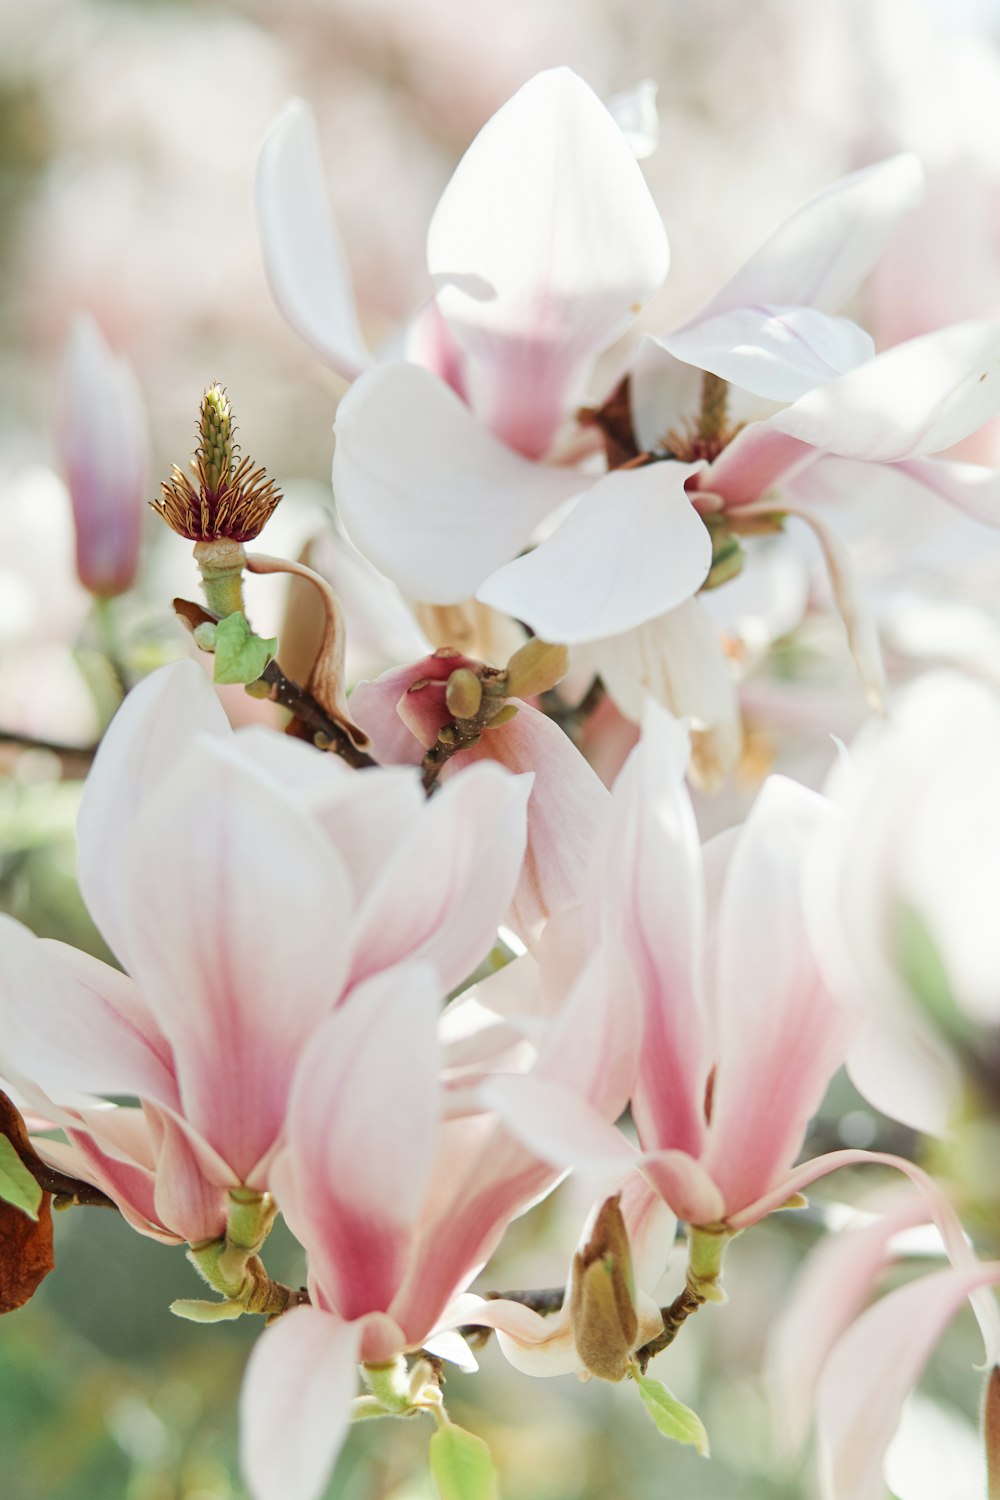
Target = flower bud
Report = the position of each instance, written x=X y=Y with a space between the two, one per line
x=605 y=1324
x=104 y=450
x=464 y=694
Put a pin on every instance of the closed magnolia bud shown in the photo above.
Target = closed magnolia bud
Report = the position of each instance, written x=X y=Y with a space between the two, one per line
x=536 y=668
x=463 y=694
x=605 y=1324
x=103 y=446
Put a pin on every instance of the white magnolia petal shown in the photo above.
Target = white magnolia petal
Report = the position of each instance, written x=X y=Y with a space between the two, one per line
x=678 y=661
x=147 y=736
x=544 y=245
x=303 y=255
x=426 y=493
x=819 y=257
x=973 y=488
x=914 y=399
x=295 y=1406
x=633 y=548
x=779 y=353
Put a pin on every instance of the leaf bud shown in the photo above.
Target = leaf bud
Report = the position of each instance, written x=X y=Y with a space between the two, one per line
x=463 y=694
x=536 y=668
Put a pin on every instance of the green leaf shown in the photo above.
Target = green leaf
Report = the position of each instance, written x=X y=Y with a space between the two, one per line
x=17 y=1185
x=672 y=1417
x=240 y=656
x=461 y=1465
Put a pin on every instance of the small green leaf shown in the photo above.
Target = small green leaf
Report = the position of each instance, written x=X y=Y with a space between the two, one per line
x=17 y=1185
x=672 y=1417
x=461 y=1465
x=240 y=656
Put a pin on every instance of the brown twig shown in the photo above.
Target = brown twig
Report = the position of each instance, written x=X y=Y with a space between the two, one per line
x=71 y=757
x=683 y=1306
x=303 y=706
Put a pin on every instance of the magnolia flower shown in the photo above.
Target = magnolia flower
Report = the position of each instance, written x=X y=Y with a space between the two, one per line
x=399 y=1194
x=741 y=1036
x=248 y=884
x=104 y=448
x=858 y=1366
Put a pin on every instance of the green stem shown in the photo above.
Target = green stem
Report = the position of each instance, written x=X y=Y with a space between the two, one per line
x=221 y=566
x=110 y=641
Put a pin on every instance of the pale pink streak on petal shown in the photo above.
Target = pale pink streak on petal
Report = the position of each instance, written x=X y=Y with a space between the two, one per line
x=129 y=1183
x=239 y=915
x=914 y=399
x=375 y=706
x=186 y=1199
x=819 y=257
x=303 y=255
x=74 y=1025
x=874 y=1367
x=593 y=1044
x=633 y=548
x=652 y=1230
x=566 y=804
x=756 y=460
x=772 y=351
x=780 y=1034
x=836 y=1282
x=648 y=887
x=294 y=1409
x=147 y=735
x=362 y=1133
x=543 y=247
x=444 y=504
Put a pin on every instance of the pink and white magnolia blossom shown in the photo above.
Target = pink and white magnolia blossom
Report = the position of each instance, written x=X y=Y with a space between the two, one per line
x=402 y=712
x=248 y=885
x=104 y=448
x=741 y=1035
x=400 y=1192
x=857 y=1367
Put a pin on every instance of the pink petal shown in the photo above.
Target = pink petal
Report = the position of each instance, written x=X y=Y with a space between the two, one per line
x=294 y=1410
x=633 y=548
x=820 y=256
x=566 y=803
x=472 y=835
x=185 y=1198
x=871 y=1371
x=74 y=1025
x=758 y=458
x=147 y=735
x=776 y=352
x=543 y=247
x=103 y=442
x=835 y=1284
x=443 y=504
x=650 y=872
x=780 y=1035
x=238 y=912
x=303 y=255
x=362 y=1124
x=914 y=399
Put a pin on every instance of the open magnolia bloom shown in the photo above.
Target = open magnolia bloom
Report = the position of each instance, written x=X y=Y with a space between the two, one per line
x=400 y=1187
x=741 y=1036
x=248 y=884
x=857 y=1367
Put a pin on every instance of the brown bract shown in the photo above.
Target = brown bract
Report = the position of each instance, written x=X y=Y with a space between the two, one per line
x=26 y=1254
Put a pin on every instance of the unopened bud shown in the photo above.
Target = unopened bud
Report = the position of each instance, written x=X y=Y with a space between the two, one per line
x=215 y=429
x=204 y=635
x=536 y=668
x=605 y=1325
x=463 y=694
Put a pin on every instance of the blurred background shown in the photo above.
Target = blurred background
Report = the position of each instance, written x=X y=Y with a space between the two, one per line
x=129 y=131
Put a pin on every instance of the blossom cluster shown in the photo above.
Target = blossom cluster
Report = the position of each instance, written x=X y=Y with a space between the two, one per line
x=396 y=971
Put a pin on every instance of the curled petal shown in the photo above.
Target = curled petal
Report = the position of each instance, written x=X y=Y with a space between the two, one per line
x=633 y=548
x=304 y=258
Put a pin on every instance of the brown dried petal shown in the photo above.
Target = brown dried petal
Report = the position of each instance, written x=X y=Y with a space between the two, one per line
x=26 y=1255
